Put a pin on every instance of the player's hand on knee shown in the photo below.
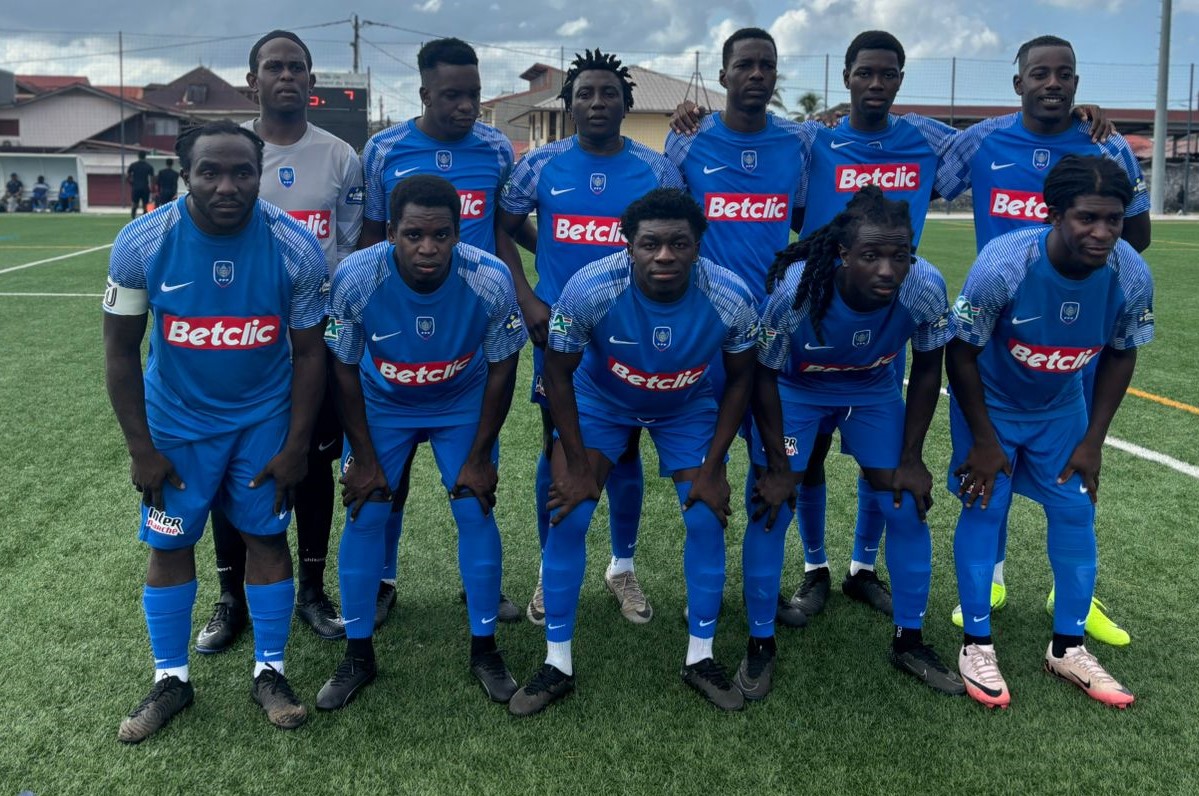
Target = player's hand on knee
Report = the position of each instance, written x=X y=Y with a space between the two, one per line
x=149 y=471
x=771 y=489
x=477 y=479
x=711 y=487
x=1086 y=461
x=288 y=468
x=360 y=483
x=978 y=473
x=686 y=116
x=912 y=476
x=569 y=491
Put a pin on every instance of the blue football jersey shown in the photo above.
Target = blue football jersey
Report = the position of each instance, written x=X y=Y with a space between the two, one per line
x=477 y=165
x=1005 y=166
x=645 y=358
x=222 y=304
x=578 y=197
x=851 y=365
x=1039 y=330
x=423 y=356
x=748 y=184
x=903 y=160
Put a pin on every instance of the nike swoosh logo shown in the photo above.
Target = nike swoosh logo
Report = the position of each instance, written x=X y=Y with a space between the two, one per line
x=1018 y=321
x=1080 y=623
x=633 y=546
x=266 y=653
x=165 y=288
x=997 y=166
x=713 y=171
x=489 y=621
x=1082 y=682
x=872 y=549
x=706 y=622
x=813 y=549
x=158 y=661
x=760 y=624
x=810 y=347
x=555 y=627
x=839 y=144
x=560 y=191
x=1082 y=490
x=991 y=692
x=614 y=340
x=982 y=618
x=377 y=337
x=406 y=171
x=348 y=621
x=324 y=446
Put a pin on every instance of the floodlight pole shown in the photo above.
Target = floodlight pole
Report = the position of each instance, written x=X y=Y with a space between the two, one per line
x=1157 y=188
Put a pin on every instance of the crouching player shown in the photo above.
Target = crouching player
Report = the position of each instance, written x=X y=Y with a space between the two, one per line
x=844 y=301
x=427 y=332
x=630 y=340
x=1038 y=306
x=223 y=411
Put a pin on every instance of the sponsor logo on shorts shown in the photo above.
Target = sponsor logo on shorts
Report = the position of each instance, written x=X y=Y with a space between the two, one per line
x=1051 y=359
x=221 y=332
x=887 y=176
x=588 y=230
x=765 y=207
x=474 y=204
x=1018 y=205
x=824 y=367
x=790 y=447
x=422 y=374
x=315 y=221
x=161 y=522
x=656 y=382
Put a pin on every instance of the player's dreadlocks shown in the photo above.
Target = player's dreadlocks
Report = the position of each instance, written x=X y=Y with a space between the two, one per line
x=1076 y=175
x=186 y=141
x=605 y=62
x=821 y=251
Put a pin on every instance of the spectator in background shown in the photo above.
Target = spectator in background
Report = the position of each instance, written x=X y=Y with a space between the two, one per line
x=167 y=183
x=68 y=196
x=40 y=191
x=12 y=193
x=138 y=176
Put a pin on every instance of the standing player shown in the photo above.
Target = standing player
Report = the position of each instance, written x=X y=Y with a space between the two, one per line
x=138 y=175
x=637 y=331
x=446 y=140
x=579 y=186
x=1004 y=161
x=427 y=333
x=1039 y=305
x=316 y=178
x=228 y=279
x=166 y=183
x=846 y=300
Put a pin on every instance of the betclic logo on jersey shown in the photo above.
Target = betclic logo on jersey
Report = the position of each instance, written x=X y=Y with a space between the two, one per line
x=474 y=204
x=766 y=207
x=1051 y=359
x=824 y=367
x=656 y=382
x=220 y=333
x=887 y=176
x=588 y=230
x=422 y=374
x=1018 y=205
x=317 y=222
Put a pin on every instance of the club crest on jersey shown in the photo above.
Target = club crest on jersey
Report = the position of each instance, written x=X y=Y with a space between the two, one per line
x=749 y=159
x=1040 y=158
x=287 y=176
x=599 y=181
x=444 y=159
x=1069 y=312
x=861 y=338
x=425 y=326
x=662 y=337
x=222 y=273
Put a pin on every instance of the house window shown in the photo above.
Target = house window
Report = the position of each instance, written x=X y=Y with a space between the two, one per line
x=197 y=94
x=163 y=126
x=10 y=127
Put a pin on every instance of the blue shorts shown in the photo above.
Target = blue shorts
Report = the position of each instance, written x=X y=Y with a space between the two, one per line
x=682 y=440
x=898 y=370
x=537 y=392
x=1038 y=451
x=450 y=444
x=872 y=434
x=216 y=472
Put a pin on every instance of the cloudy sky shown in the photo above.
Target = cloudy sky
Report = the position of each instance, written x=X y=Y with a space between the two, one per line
x=1116 y=40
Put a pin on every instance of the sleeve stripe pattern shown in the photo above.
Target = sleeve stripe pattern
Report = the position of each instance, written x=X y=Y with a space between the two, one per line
x=923 y=294
x=489 y=279
x=733 y=302
x=586 y=299
x=138 y=243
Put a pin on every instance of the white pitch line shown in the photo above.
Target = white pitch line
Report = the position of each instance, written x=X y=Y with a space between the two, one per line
x=63 y=295
x=55 y=259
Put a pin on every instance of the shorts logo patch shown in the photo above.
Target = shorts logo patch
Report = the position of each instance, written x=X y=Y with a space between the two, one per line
x=161 y=522
x=287 y=176
x=539 y=387
x=662 y=338
x=444 y=159
x=861 y=338
x=963 y=311
x=1069 y=312
x=790 y=447
x=749 y=159
x=598 y=182
x=222 y=273
x=345 y=466
x=425 y=326
x=1040 y=158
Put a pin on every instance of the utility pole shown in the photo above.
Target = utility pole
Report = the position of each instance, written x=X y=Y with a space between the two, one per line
x=354 y=46
x=1157 y=188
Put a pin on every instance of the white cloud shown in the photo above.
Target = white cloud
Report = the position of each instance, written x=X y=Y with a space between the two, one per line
x=574 y=27
x=428 y=7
